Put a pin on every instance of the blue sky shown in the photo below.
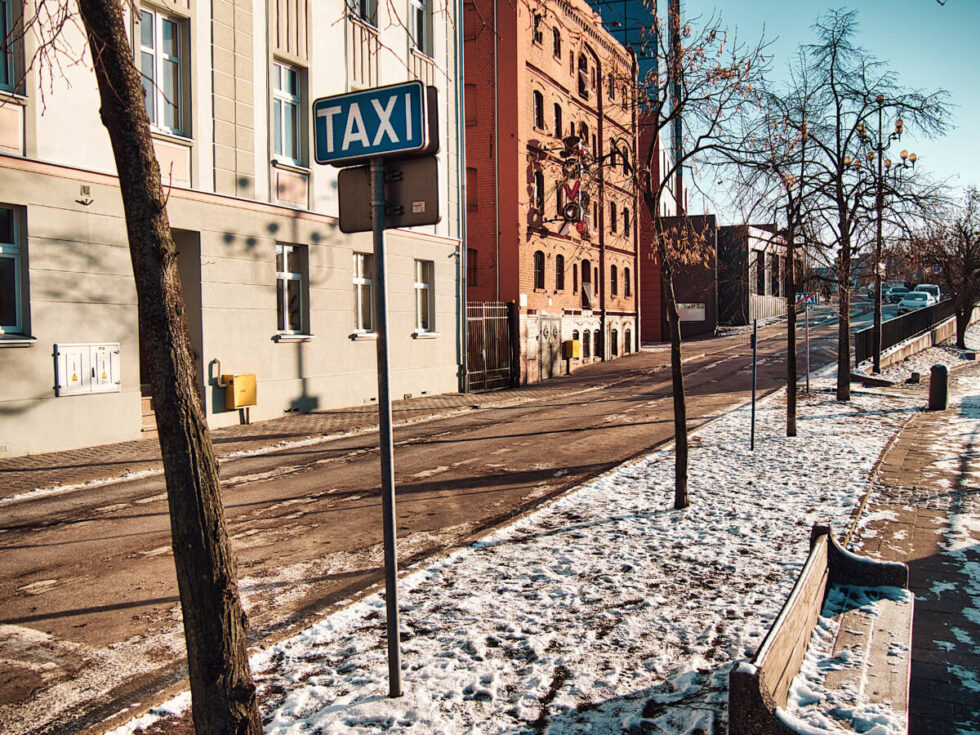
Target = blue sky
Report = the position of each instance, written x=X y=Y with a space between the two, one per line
x=929 y=46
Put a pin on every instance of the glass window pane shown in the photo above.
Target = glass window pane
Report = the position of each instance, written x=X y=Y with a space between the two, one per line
x=6 y=226
x=365 y=305
x=170 y=47
x=277 y=126
x=146 y=67
x=280 y=305
x=289 y=130
x=146 y=29
x=170 y=91
x=279 y=259
x=276 y=74
x=293 y=260
x=8 y=293
x=295 y=290
x=424 y=309
x=292 y=82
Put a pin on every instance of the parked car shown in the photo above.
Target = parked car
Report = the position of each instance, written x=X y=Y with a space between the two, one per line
x=930 y=288
x=915 y=300
x=896 y=294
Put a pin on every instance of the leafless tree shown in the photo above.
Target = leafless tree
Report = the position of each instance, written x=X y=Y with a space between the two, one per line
x=223 y=694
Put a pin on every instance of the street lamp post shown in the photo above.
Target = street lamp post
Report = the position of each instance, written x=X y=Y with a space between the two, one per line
x=878 y=148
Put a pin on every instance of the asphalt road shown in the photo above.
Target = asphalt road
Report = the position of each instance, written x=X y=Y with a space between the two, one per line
x=89 y=621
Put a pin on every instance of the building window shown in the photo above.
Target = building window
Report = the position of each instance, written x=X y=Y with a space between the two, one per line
x=366 y=10
x=471 y=193
x=538 y=107
x=774 y=274
x=556 y=38
x=560 y=199
x=614 y=343
x=626 y=221
x=286 y=125
x=419 y=26
x=612 y=87
x=597 y=343
x=612 y=216
x=292 y=289
x=613 y=152
x=627 y=341
x=760 y=273
x=574 y=277
x=472 y=267
x=558 y=125
x=363 y=292
x=539 y=191
x=613 y=280
x=424 y=316
x=559 y=272
x=162 y=68
x=8 y=78
x=586 y=344
x=627 y=283
x=538 y=270
x=536 y=23
x=575 y=334
x=12 y=276
x=583 y=76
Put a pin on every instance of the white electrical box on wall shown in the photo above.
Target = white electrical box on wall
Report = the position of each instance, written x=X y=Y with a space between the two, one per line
x=86 y=368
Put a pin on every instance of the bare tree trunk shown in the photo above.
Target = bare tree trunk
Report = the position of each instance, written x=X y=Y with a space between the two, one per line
x=222 y=691
x=962 y=323
x=681 y=499
x=844 y=327
x=791 y=334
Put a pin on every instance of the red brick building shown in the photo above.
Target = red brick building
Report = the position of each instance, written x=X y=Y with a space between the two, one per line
x=536 y=74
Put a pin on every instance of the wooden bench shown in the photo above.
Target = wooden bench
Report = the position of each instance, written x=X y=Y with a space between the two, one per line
x=878 y=648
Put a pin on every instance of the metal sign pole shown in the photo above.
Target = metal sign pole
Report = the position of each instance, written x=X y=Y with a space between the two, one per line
x=807 y=348
x=384 y=425
x=755 y=352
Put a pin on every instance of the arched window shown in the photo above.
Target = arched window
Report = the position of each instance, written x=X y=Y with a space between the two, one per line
x=574 y=334
x=613 y=280
x=583 y=76
x=556 y=36
x=612 y=87
x=558 y=125
x=539 y=191
x=613 y=152
x=538 y=110
x=627 y=284
x=560 y=198
x=538 y=34
x=586 y=344
x=583 y=133
x=538 y=269
x=614 y=343
x=597 y=343
x=586 y=272
x=574 y=277
x=626 y=221
x=612 y=216
x=559 y=272
x=627 y=341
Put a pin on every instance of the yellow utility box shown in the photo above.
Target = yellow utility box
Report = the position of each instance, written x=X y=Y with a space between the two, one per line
x=239 y=390
x=570 y=349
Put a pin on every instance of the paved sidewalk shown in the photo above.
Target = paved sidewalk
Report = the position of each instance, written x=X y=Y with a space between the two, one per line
x=924 y=510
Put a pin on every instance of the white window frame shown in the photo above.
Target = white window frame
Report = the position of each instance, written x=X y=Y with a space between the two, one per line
x=155 y=93
x=12 y=251
x=363 y=289
x=424 y=293
x=8 y=80
x=283 y=277
x=282 y=101
x=419 y=27
x=366 y=10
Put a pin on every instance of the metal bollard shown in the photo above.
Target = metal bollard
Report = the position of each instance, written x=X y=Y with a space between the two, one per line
x=939 y=388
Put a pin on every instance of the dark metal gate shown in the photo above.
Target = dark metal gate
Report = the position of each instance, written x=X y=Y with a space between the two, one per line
x=488 y=335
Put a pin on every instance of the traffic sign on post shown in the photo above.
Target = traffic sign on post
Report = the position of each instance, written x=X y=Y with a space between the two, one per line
x=371 y=123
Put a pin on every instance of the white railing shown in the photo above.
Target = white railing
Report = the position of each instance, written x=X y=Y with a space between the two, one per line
x=422 y=68
x=363 y=51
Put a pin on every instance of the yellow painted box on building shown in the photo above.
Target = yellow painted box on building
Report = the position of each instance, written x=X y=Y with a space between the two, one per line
x=570 y=349
x=239 y=391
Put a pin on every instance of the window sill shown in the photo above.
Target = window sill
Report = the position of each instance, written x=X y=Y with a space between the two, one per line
x=17 y=341
x=295 y=168
x=364 y=336
x=286 y=337
x=12 y=97
x=425 y=335
x=171 y=137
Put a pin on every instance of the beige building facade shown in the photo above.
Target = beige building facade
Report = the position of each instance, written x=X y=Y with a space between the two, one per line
x=272 y=287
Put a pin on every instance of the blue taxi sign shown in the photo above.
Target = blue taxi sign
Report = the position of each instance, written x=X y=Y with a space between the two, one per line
x=383 y=121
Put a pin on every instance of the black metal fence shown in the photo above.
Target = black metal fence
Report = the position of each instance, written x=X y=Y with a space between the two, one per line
x=489 y=330
x=901 y=328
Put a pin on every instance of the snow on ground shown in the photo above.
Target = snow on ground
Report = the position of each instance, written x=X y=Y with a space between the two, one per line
x=607 y=611
x=922 y=362
x=813 y=707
